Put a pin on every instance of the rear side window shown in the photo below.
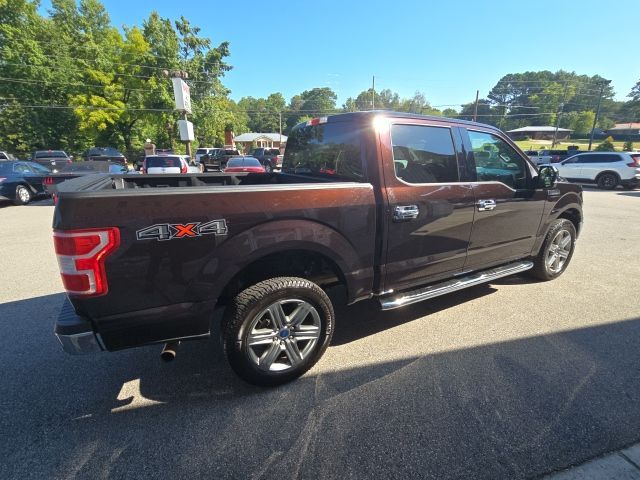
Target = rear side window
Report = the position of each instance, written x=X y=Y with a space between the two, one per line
x=424 y=154
x=201 y=151
x=328 y=150
x=597 y=158
x=497 y=161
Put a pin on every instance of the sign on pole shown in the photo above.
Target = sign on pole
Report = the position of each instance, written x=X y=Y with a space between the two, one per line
x=186 y=130
x=182 y=95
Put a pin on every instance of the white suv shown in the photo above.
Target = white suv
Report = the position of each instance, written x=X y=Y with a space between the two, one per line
x=606 y=169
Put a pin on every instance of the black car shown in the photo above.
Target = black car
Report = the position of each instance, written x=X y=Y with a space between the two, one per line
x=20 y=182
x=270 y=158
x=53 y=160
x=105 y=154
x=217 y=158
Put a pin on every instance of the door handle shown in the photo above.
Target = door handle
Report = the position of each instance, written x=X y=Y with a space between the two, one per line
x=486 y=205
x=402 y=213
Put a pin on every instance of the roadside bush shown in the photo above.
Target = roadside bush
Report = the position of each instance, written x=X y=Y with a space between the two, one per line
x=628 y=146
x=606 y=146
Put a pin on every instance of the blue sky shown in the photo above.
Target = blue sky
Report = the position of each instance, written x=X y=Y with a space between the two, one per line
x=445 y=49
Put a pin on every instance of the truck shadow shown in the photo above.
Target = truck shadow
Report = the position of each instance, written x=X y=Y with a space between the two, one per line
x=513 y=409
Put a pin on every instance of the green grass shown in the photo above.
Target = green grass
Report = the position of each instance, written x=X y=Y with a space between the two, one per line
x=582 y=142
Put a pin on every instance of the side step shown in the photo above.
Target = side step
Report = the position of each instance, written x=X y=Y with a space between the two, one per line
x=401 y=299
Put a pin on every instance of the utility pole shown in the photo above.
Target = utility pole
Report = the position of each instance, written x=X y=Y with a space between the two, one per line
x=475 y=108
x=280 y=117
x=373 y=94
x=595 y=119
x=559 y=115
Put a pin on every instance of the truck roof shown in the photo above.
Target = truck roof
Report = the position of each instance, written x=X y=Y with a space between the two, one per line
x=360 y=116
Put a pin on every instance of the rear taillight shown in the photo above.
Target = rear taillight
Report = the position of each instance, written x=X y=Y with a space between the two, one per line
x=635 y=161
x=184 y=169
x=48 y=181
x=81 y=255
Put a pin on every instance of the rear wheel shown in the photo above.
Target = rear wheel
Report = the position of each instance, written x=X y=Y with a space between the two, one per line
x=556 y=251
x=276 y=330
x=23 y=195
x=608 y=181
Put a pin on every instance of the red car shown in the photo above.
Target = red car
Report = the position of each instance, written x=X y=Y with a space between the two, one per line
x=244 y=164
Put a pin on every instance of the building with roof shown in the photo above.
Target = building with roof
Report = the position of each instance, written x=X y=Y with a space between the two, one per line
x=247 y=141
x=539 y=133
x=625 y=131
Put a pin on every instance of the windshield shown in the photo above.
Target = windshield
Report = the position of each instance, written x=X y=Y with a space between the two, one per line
x=107 y=151
x=329 y=151
x=51 y=154
x=38 y=168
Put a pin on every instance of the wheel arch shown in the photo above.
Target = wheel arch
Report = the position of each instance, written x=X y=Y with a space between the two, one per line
x=612 y=172
x=303 y=248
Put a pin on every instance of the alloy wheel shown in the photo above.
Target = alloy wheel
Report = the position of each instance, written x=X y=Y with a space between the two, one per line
x=283 y=335
x=559 y=250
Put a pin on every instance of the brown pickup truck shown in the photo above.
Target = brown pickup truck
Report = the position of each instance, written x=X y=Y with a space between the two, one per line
x=393 y=206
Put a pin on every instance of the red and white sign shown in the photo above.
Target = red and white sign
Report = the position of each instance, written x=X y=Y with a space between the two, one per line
x=182 y=95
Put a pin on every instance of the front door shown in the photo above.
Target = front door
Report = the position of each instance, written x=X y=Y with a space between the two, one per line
x=508 y=207
x=572 y=168
x=429 y=211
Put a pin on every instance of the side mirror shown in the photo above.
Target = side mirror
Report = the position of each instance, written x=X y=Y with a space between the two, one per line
x=547 y=176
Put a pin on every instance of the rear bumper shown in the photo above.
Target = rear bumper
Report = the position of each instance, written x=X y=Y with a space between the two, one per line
x=75 y=332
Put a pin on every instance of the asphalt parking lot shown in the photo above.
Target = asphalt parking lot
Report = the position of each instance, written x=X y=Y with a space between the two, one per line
x=514 y=379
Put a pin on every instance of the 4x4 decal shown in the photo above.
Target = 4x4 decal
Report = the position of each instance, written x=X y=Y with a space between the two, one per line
x=169 y=231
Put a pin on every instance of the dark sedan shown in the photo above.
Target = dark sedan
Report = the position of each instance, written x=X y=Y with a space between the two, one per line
x=20 y=182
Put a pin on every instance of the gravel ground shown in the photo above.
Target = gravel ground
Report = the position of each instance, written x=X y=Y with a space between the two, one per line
x=514 y=379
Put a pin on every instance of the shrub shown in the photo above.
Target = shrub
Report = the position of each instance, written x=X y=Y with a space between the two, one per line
x=606 y=146
x=628 y=146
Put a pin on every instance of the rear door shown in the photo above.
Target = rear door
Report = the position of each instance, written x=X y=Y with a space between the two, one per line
x=595 y=163
x=508 y=206
x=429 y=211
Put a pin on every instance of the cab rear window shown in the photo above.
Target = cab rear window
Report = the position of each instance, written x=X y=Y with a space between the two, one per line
x=329 y=150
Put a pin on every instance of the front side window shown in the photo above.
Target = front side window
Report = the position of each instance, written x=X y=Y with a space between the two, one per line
x=424 y=154
x=329 y=150
x=497 y=161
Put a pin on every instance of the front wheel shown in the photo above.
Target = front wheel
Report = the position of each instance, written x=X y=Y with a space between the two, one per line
x=276 y=330
x=556 y=251
x=23 y=195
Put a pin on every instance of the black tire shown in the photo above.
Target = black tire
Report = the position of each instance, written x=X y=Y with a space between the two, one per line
x=541 y=268
x=23 y=195
x=251 y=308
x=608 y=181
x=267 y=167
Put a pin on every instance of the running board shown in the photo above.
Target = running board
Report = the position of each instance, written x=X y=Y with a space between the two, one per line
x=402 y=299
